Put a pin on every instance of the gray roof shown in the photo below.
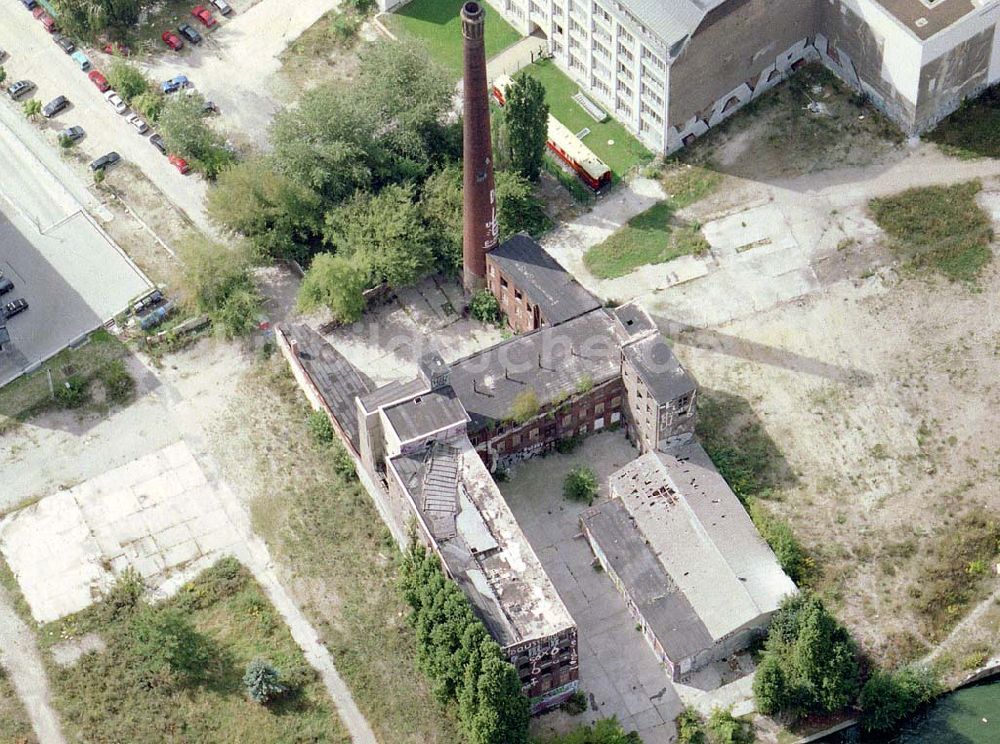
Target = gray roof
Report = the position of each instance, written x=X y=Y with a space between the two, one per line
x=393 y=392
x=336 y=379
x=664 y=607
x=552 y=361
x=546 y=283
x=656 y=364
x=671 y=20
x=425 y=414
x=702 y=536
x=635 y=321
x=481 y=543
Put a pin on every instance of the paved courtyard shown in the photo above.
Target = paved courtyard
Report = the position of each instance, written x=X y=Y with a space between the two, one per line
x=158 y=514
x=618 y=670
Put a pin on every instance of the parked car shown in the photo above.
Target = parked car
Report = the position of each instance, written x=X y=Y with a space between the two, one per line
x=14 y=307
x=6 y=285
x=151 y=300
x=65 y=43
x=188 y=32
x=179 y=163
x=204 y=15
x=54 y=106
x=175 y=84
x=73 y=134
x=222 y=6
x=105 y=161
x=172 y=40
x=98 y=79
x=137 y=121
x=81 y=59
x=158 y=143
x=47 y=21
x=116 y=101
x=29 y=4
x=18 y=89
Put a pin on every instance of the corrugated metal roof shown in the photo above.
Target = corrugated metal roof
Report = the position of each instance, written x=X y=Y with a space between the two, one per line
x=671 y=20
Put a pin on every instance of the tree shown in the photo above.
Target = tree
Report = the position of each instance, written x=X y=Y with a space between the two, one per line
x=90 y=17
x=770 y=690
x=500 y=137
x=690 y=728
x=723 y=728
x=502 y=712
x=889 y=697
x=527 y=118
x=150 y=104
x=336 y=282
x=127 y=80
x=254 y=199
x=485 y=307
x=216 y=280
x=32 y=108
x=261 y=682
x=168 y=643
x=518 y=209
x=581 y=484
x=184 y=131
x=384 y=233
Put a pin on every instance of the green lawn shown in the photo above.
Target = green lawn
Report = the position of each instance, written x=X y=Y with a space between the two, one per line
x=647 y=238
x=938 y=227
x=137 y=690
x=609 y=140
x=436 y=23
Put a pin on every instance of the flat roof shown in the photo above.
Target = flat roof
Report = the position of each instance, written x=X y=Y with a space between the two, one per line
x=659 y=369
x=635 y=321
x=336 y=379
x=393 y=392
x=666 y=610
x=671 y=20
x=699 y=531
x=553 y=361
x=928 y=18
x=425 y=414
x=558 y=295
x=481 y=543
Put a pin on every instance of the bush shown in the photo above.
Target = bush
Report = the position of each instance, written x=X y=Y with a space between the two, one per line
x=724 y=729
x=260 y=680
x=690 y=729
x=216 y=280
x=604 y=731
x=118 y=383
x=124 y=596
x=485 y=308
x=72 y=393
x=575 y=704
x=169 y=644
x=66 y=142
x=525 y=406
x=149 y=104
x=336 y=282
x=320 y=427
x=581 y=484
x=889 y=697
x=778 y=534
x=127 y=80
x=343 y=463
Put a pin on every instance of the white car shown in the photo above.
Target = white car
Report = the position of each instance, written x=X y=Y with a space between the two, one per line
x=222 y=6
x=136 y=121
x=116 y=100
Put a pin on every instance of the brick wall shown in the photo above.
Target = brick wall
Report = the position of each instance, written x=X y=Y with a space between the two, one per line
x=522 y=314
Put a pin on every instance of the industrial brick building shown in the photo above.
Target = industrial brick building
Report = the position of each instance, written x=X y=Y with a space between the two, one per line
x=671 y=69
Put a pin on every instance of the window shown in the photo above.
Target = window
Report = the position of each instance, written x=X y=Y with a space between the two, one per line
x=516 y=439
x=517 y=294
x=501 y=446
x=598 y=409
x=533 y=434
x=503 y=282
x=616 y=401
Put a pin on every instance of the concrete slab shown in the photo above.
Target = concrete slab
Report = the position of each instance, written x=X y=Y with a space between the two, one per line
x=67 y=549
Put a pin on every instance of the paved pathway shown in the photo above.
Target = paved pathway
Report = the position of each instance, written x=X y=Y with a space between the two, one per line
x=20 y=658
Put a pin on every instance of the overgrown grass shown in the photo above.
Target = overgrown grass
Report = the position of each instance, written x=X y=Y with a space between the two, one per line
x=609 y=140
x=687 y=184
x=647 y=238
x=118 y=695
x=14 y=723
x=938 y=227
x=974 y=130
x=324 y=50
x=319 y=519
x=30 y=395
x=956 y=572
x=437 y=24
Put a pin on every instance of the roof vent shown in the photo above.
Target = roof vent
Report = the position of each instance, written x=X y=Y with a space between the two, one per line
x=920 y=22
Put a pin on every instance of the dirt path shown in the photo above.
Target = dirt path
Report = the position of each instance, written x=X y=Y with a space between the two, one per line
x=20 y=658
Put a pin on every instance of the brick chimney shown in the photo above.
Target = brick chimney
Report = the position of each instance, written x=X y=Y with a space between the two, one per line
x=479 y=215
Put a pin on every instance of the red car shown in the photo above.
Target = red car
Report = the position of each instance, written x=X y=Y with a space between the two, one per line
x=179 y=163
x=45 y=19
x=99 y=80
x=203 y=15
x=172 y=40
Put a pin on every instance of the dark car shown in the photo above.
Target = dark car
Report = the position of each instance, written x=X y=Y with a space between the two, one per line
x=73 y=134
x=13 y=308
x=54 y=106
x=159 y=144
x=18 y=89
x=65 y=43
x=29 y=4
x=6 y=285
x=188 y=32
x=105 y=161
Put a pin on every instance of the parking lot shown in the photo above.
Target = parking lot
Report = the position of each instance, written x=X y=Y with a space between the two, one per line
x=73 y=277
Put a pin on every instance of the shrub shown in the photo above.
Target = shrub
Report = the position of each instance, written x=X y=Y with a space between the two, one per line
x=525 y=406
x=3 y=74
x=118 y=383
x=124 y=596
x=889 y=697
x=168 y=643
x=72 y=393
x=260 y=680
x=575 y=704
x=66 y=142
x=724 y=729
x=485 y=307
x=149 y=104
x=581 y=484
x=690 y=729
x=127 y=80
x=320 y=427
x=343 y=463
x=778 y=534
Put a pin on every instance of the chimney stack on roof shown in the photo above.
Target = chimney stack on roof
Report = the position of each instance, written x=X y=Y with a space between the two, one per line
x=479 y=216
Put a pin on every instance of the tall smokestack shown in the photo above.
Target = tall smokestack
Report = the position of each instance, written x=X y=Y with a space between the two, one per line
x=479 y=216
